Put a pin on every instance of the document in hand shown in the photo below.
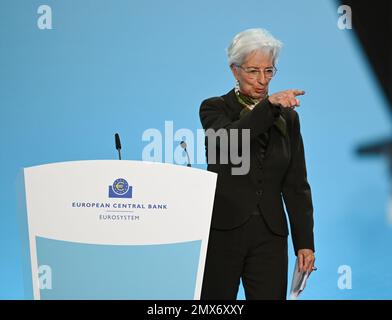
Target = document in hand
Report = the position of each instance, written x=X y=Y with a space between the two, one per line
x=299 y=282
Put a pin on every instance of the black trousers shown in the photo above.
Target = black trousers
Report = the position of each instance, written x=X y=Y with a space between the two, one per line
x=251 y=253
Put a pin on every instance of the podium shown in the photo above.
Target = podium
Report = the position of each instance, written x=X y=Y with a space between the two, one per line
x=111 y=229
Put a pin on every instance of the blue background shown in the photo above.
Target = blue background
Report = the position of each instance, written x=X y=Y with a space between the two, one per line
x=127 y=66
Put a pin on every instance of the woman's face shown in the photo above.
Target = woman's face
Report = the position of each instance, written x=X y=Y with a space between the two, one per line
x=253 y=74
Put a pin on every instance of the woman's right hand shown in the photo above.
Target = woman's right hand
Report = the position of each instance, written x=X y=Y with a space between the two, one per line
x=286 y=98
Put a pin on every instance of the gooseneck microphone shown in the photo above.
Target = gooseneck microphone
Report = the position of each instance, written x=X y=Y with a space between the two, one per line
x=183 y=145
x=118 y=145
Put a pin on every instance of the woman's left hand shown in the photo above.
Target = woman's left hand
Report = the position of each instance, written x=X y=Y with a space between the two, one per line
x=306 y=260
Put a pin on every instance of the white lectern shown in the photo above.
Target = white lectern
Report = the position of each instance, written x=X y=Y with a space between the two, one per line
x=117 y=229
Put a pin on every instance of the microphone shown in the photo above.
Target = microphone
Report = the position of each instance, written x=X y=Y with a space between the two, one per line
x=118 y=145
x=183 y=145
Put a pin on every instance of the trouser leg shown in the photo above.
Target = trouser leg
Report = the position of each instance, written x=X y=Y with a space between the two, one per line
x=223 y=265
x=265 y=266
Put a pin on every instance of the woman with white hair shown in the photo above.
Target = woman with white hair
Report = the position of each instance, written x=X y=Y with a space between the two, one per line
x=249 y=230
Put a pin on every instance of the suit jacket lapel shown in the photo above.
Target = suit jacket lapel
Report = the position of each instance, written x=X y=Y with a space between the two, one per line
x=271 y=143
x=231 y=101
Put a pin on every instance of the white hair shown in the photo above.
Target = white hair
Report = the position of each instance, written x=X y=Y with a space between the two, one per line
x=249 y=41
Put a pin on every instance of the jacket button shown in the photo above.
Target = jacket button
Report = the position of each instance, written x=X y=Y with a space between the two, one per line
x=259 y=192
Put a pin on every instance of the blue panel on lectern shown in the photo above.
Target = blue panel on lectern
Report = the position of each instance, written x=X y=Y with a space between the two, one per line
x=89 y=271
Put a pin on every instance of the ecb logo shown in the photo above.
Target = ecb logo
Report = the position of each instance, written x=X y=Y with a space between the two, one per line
x=120 y=189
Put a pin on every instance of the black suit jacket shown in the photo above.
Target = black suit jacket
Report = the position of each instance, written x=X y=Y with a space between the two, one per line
x=281 y=175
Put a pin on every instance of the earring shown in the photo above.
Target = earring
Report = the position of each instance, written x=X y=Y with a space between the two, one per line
x=237 y=85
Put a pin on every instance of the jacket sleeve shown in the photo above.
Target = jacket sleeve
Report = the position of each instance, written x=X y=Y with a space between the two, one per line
x=260 y=119
x=297 y=193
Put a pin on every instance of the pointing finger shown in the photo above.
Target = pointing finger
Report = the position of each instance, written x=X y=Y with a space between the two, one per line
x=298 y=92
